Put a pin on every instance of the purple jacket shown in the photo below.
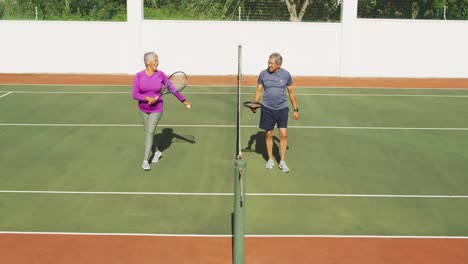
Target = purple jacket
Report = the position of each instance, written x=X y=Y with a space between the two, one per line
x=144 y=85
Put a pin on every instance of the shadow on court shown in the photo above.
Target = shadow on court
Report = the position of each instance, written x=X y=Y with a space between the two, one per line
x=257 y=144
x=167 y=137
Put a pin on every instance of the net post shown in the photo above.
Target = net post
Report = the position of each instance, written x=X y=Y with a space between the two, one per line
x=239 y=178
x=239 y=64
x=239 y=210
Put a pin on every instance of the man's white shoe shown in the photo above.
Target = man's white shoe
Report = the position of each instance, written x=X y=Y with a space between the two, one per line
x=269 y=165
x=283 y=166
x=156 y=157
x=146 y=165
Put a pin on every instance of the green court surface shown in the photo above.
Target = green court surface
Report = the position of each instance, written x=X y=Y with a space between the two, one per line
x=378 y=162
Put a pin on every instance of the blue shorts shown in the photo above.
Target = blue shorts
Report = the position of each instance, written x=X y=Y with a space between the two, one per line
x=270 y=117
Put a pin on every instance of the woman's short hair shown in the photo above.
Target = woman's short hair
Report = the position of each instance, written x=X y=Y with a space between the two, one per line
x=148 y=56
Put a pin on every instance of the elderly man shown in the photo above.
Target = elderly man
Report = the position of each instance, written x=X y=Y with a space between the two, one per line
x=275 y=83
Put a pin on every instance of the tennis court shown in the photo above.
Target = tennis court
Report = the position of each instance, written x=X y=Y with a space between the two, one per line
x=369 y=163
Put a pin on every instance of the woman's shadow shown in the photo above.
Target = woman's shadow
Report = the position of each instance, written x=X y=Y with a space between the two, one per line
x=162 y=141
x=260 y=146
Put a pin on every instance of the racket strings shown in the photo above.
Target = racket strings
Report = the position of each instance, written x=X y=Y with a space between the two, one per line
x=177 y=81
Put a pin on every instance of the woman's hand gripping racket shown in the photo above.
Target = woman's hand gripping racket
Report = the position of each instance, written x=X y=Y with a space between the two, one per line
x=253 y=106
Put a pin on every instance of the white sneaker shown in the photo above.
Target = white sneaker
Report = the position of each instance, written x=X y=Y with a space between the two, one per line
x=156 y=157
x=283 y=166
x=146 y=165
x=269 y=165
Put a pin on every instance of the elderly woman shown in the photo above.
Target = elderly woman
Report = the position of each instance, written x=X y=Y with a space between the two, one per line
x=147 y=86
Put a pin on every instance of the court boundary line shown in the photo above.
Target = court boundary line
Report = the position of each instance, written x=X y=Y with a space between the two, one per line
x=228 y=236
x=90 y=85
x=242 y=126
x=234 y=85
x=5 y=95
x=233 y=93
x=431 y=196
x=388 y=95
x=103 y=92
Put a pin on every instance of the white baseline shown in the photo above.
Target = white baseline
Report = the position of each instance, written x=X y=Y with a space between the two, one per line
x=228 y=236
x=231 y=194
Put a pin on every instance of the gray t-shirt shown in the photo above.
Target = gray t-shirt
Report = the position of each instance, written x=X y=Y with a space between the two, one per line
x=274 y=88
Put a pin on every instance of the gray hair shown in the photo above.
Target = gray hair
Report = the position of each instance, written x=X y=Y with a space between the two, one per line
x=277 y=57
x=148 y=56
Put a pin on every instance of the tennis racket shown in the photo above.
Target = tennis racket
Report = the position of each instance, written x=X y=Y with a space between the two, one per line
x=177 y=82
x=253 y=105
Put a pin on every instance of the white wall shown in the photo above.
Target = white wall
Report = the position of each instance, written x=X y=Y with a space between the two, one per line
x=407 y=48
x=63 y=47
x=210 y=48
x=353 y=48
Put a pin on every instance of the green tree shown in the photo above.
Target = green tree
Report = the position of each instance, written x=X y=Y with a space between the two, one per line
x=296 y=9
x=2 y=9
x=414 y=9
x=323 y=10
x=457 y=9
x=100 y=10
x=265 y=10
x=190 y=9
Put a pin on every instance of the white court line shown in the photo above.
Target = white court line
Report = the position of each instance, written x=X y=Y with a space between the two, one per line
x=83 y=85
x=383 y=128
x=71 y=92
x=378 y=88
x=360 y=195
x=233 y=93
x=389 y=95
x=228 y=236
x=246 y=86
x=112 y=125
x=243 y=126
x=117 y=193
x=102 y=92
x=108 y=234
x=248 y=194
x=71 y=125
x=350 y=88
x=3 y=95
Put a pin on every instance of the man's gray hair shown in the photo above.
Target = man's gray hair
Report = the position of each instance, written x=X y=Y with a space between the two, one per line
x=148 y=56
x=277 y=57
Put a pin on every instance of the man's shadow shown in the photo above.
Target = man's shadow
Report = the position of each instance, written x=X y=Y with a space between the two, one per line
x=162 y=141
x=260 y=146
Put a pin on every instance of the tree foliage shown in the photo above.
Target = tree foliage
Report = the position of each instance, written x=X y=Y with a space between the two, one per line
x=99 y=10
x=252 y=10
x=414 y=9
x=190 y=9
